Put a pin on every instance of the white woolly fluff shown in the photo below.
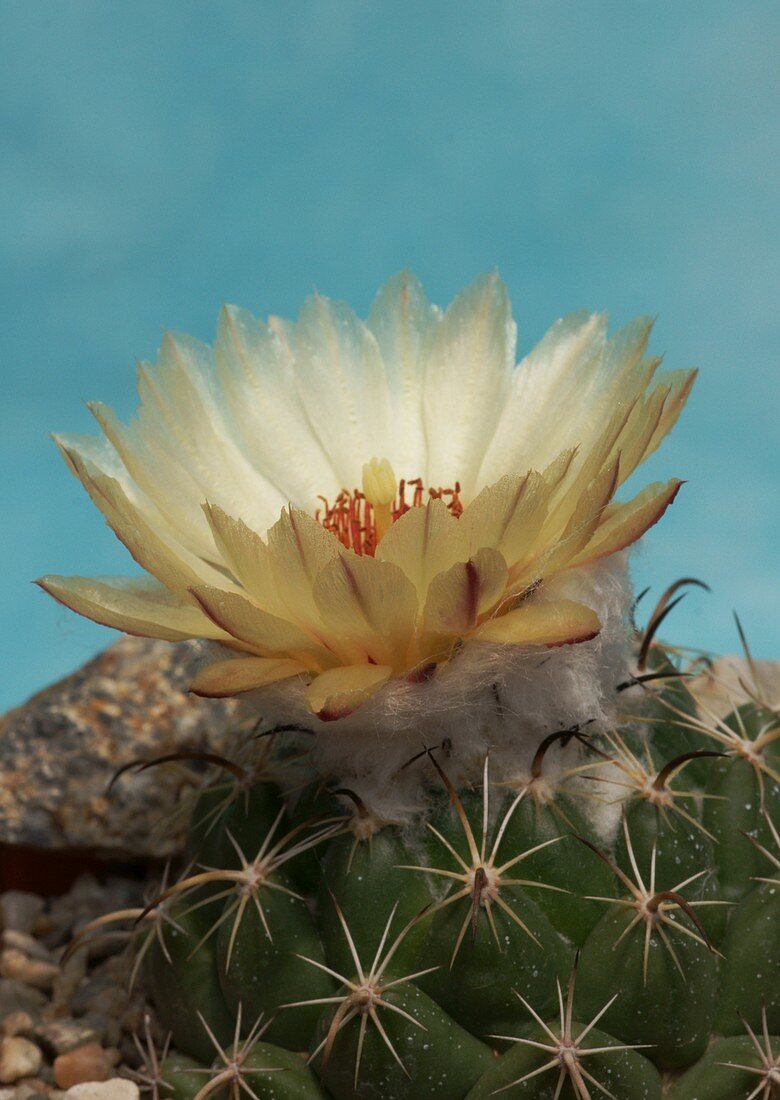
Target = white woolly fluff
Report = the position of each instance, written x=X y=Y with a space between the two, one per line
x=497 y=699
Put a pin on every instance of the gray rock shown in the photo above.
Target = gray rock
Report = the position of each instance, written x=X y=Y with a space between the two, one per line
x=59 y=750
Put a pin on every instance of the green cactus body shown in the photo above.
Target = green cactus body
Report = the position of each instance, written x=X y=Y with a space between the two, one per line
x=751 y=961
x=259 y=963
x=423 y=1052
x=367 y=876
x=540 y=1074
x=183 y=977
x=737 y=1068
x=667 y=987
x=403 y=958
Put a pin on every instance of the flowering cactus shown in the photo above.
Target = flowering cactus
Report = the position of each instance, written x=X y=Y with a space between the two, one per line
x=478 y=833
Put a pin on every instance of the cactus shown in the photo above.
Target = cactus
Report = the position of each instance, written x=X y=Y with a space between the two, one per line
x=501 y=940
x=476 y=833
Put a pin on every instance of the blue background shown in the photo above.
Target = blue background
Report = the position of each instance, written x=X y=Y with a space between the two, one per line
x=160 y=158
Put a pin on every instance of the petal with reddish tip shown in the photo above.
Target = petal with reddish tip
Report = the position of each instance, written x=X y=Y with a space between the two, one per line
x=369 y=605
x=623 y=524
x=243 y=620
x=340 y=691
x=559 y=622
x=135 y=605
x=225 y=678
x=458 y=597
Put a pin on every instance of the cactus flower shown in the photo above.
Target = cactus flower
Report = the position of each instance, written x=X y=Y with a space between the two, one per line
x=352 y=503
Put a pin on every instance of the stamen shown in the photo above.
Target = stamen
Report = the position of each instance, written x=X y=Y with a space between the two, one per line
x=361 y=518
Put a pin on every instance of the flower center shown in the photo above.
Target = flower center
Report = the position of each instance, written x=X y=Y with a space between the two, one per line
x=360 y=518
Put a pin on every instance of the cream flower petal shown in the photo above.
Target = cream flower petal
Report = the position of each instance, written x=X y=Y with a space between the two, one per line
x=404 y=324
x=508 y=516
x=579 y=530
x=299 y=550
x=623 y=524
x=171 y=563
x=680 y=383
x=337 y=693
x=342 y=385
x=243 y=620
x=136 y=605
x=548 y=378
x=256 y=372
x=233 y=677
x=247 y=557
x=425 y=541
x=559 y=622
x=165 y=482
x=369 y=604
x=466 y=379
x=181 y=392
x=459 y=597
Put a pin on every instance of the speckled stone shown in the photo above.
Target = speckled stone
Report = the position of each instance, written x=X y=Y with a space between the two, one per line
x=118 y=1088
x=59 y=750
x=18 y=1058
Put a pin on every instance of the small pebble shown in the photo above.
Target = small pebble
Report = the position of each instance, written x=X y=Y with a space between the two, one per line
x=16 y=1023
x=89 y=1062
x=18 y=1058
x=19 y=910
x=17 y=965
x=60 y=1036
x=117 y=1088
x=22 y=941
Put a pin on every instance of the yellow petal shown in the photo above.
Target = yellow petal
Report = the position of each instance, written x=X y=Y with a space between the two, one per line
x=623 y=524
x=338 y=692
x=247 y=557
x=138 y=606
x=369 y=604
x=579 y=530
x=559 y=622
x=458 y=597
x=238 y=617
x=169 y=562
x=233 y=677
x=424 y=542
x=680 y=383
x=508 y=515
x=300 y=548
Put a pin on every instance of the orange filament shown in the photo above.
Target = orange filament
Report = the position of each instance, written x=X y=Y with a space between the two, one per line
x=353 y=520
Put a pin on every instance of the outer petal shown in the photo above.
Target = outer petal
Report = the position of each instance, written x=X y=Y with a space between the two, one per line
x=460 y=596
x=404 y=324
x=425 y=541
x=136 y=605
x=550 y=377
x=342 y=386
x=623 y=524
x=232 y=677
x=466 y=379
x=243 y=620
x=337 y=693
x=170 y=562
x=559 y=622
x=369 y=605
x=192 y=419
